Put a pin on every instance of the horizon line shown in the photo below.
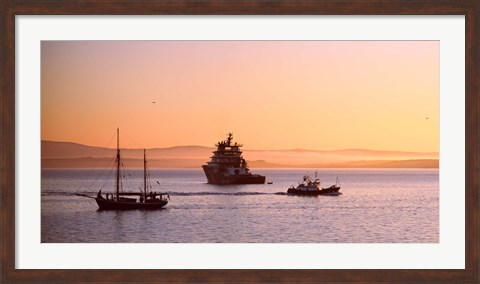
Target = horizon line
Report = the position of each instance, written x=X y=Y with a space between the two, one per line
x=292 y=149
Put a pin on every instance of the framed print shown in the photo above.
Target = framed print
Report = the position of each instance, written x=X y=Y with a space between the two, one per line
x=249 y=141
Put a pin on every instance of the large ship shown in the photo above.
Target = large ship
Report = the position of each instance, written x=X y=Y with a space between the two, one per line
x=227 y=166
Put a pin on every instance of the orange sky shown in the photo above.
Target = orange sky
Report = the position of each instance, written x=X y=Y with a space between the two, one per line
x=270 y=94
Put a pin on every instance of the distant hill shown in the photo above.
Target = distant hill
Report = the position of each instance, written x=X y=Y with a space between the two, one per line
x=74 y=155
x=191 y=163
x=128 y=162
x=69 y=150
x=359 y=152
x=419 y=163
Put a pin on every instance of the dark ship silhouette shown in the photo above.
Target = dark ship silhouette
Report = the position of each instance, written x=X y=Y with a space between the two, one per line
x=124 y=200
x=311 y=186
x=227 y=166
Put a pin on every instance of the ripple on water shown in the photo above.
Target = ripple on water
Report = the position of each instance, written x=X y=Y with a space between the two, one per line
x=377 y=206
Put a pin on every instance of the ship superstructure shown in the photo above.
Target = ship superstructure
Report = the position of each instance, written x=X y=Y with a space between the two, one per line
x=311 y=186
x=227 y=165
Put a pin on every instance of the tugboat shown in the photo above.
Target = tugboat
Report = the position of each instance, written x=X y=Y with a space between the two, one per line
x=119 y=201
x=227 y=166
x=312 y=187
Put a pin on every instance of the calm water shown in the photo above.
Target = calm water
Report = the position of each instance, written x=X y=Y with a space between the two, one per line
x=377 y=206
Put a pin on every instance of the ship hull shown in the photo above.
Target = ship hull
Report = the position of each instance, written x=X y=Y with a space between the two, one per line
x=105 y=204
x=324 y=191
x=218 y=178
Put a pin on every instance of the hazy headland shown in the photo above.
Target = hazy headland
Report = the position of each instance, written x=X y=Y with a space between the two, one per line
x=74 y=155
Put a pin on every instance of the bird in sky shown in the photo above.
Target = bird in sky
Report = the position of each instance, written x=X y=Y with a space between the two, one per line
x=426 y=117
x=153 y=102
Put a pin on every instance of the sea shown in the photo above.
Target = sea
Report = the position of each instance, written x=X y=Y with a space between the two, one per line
x=376 y=206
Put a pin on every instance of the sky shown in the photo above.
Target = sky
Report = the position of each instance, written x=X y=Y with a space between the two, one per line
x=273 y=95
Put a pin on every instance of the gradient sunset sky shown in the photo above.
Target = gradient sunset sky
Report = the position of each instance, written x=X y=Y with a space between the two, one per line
x=315 y=95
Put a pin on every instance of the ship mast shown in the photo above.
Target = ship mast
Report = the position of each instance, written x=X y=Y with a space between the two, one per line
x=118 y=164
x=145 y=175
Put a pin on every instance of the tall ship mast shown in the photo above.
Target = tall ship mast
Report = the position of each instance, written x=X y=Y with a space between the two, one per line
x=130 y=200
x=227 y=165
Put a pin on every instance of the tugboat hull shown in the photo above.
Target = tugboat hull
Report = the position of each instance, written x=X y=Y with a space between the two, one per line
x=105 y=204
x=333 y=190
x=214 y=177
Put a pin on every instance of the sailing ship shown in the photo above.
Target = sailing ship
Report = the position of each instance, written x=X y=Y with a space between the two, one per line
x=311 y=186
x=131 y=200
x=227 y=165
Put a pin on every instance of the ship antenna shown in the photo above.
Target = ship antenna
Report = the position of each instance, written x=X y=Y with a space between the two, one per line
x=145 y=175
x=118 y=164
